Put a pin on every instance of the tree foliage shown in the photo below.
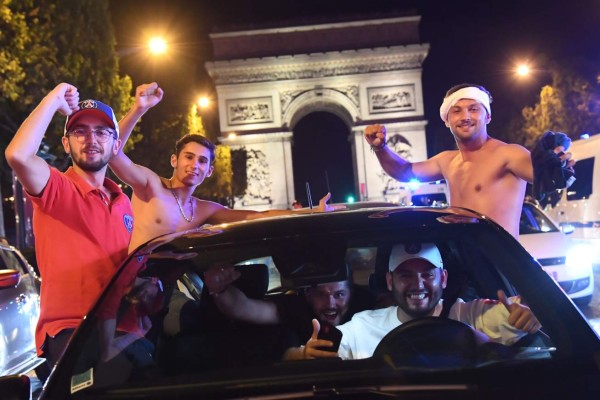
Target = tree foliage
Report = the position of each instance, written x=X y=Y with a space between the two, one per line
x=570 y=104
x=45 y=42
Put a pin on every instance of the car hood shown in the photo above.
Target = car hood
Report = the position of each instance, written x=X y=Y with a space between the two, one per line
x=545 y=245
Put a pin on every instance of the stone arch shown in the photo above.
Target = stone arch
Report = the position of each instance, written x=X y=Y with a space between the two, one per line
x=361 y=71
x=320 y=100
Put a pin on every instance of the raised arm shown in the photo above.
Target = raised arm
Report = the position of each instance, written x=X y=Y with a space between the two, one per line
x=394 y=165
x=33 y=172
x=233 y=302
x=146 y=96
x=225 y=215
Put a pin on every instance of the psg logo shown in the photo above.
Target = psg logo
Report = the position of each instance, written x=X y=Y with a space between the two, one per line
x=88 y=104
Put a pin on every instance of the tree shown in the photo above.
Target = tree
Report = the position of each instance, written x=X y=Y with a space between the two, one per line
x=41 y=45
x=570 y=104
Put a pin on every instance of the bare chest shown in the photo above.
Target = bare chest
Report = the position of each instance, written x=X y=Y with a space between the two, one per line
x=469 y=177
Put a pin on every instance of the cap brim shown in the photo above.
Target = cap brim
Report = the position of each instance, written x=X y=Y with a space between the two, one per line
x=93 y=113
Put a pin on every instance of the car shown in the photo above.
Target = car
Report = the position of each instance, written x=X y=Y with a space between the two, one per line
x=19 y=312
x=567 y=262
x=224 y=359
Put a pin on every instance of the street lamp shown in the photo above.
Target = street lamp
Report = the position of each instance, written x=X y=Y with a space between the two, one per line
x=523 y=70
x=157 y=45
x=203 y=102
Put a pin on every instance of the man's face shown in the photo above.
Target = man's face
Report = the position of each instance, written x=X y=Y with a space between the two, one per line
x=417 y=286
x=467 y=118
x=90 y=155
x=329 y=301
x=192 y=165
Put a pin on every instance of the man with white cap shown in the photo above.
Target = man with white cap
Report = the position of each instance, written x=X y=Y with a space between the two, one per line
x=417 y=278
x=82 y=221
x=484 y=174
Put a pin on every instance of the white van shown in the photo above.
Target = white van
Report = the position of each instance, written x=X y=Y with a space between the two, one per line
x=579 y=206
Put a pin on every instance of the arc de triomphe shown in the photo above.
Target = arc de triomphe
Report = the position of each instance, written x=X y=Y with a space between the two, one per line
x=363 y=72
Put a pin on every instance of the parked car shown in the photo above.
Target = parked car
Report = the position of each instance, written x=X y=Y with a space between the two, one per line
x=567 y=262
x=19 y=312
x=226 y=360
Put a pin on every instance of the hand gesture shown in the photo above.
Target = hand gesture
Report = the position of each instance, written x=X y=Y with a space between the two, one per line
x=324 y=207
x=218 y=277
x=566 y=159
x=519 y=315
x=67 y=97
x=148 y=95
x=376 y=135
x=311 y=348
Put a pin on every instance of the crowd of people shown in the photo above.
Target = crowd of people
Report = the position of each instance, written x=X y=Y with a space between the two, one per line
x=85 y=226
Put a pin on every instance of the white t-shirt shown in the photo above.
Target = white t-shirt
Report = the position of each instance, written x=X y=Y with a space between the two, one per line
x=364 y=331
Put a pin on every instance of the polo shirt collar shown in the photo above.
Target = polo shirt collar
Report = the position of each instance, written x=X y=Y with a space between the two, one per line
x=84 y=186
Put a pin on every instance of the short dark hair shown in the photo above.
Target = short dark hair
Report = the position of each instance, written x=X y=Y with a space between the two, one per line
x=201 y=140
x=456 y=88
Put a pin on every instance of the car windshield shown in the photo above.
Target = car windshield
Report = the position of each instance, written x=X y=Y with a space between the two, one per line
x=534 y=221
x=157 y=327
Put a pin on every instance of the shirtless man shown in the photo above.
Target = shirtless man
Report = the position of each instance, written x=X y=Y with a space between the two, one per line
x=166 y=205
x=484 y=174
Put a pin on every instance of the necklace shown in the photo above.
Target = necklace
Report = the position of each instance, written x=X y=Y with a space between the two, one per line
x=191 y=218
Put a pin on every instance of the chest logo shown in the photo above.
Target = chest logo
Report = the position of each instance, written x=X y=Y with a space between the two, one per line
x=128 y=221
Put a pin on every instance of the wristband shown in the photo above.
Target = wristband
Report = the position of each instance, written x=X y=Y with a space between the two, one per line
x=377 y=149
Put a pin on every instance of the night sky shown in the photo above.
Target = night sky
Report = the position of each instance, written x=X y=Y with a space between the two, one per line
x=470 y=41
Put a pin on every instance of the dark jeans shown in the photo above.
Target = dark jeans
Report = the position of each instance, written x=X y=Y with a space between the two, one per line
x=54 y=346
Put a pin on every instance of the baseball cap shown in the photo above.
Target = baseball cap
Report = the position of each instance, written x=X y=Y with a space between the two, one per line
x=407 y=251
x=97 y=109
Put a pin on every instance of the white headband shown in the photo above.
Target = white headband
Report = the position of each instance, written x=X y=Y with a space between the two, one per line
x=465 y=93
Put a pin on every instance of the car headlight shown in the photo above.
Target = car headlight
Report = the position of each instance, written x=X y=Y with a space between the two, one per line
x=579 y=256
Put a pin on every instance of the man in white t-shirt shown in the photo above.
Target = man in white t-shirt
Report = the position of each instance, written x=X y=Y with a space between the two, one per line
x=417 y=279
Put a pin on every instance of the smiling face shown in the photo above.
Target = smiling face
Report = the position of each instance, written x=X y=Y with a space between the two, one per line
x=329 y=301
x=192 y=165
x=467 y=119
x=417 y=286
x=90 y=155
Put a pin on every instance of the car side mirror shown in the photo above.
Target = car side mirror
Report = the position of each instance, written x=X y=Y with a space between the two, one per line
x=9 y=278
x=567 y=229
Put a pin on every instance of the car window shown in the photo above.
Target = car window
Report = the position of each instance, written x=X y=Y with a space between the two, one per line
x=9 y=260
x=582 y=188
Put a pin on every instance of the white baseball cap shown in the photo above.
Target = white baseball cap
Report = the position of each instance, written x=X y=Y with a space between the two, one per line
x=408 y=251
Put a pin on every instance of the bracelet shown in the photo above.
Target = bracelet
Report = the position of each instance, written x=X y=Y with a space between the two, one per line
x=377 y=149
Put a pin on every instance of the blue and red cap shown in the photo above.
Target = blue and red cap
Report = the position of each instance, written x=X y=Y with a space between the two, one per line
x=94 y=108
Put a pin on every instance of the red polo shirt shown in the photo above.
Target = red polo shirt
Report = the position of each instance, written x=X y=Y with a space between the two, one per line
x=79 y=243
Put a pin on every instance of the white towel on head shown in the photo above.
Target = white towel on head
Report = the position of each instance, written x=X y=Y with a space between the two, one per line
x=470 y=92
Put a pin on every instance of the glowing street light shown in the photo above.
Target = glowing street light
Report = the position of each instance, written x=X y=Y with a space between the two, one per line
x=157 y=45
x=523 y=70
x=203 y=102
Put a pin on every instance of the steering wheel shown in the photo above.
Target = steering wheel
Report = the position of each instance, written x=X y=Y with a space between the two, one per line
x=431 y=342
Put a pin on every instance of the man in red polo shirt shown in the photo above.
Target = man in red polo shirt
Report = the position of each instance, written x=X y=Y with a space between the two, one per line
x=82 y=221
